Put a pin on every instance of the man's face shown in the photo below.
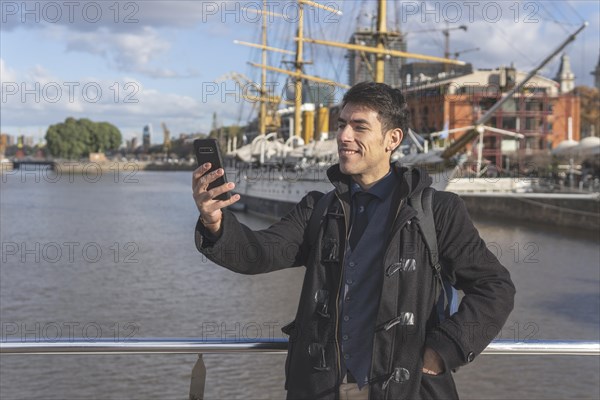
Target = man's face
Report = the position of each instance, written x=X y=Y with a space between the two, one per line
x=363 y=148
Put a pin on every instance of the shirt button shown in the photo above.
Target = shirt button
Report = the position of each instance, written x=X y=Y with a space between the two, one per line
x=348 y=298
x=352 y=264
x=345 y=337
x=349 y=281
x=346 y=318
x=346 y=356
x=361 y=209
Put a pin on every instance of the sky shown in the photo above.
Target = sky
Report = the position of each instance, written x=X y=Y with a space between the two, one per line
x=133 y=63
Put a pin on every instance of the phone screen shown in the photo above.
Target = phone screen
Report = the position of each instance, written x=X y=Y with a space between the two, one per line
x=207 y=150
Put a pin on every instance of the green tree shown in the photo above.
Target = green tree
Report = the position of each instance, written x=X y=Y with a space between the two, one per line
x=590 y=109
x=77 y=138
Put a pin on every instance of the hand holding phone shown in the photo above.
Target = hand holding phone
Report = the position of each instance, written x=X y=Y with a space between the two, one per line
x=206 y=177
x=207 y=151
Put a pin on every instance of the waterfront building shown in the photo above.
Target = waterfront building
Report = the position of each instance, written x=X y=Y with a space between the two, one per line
x=28 y=140
x=539 y=111
x=565 y=77
x=133 y=144
x=147 y=137
x=3 y=143
x=166 y=138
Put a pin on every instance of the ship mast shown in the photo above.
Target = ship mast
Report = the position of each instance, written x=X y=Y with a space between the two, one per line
x=299 y=63
x=380 y=51
x=263 y=79
x=381 y=39
x=264 y=97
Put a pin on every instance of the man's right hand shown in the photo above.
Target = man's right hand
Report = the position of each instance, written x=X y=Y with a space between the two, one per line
x=210 y=208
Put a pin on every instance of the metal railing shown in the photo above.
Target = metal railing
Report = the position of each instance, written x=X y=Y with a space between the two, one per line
x=271 y=346
x=265 y=346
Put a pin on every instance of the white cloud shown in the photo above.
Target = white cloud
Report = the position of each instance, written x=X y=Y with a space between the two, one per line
x=125 y=51
x=40 y=98
x=126 y=34
x=143 y=47
x=6 y=74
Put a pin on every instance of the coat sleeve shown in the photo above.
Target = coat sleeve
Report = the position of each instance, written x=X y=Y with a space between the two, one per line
x=243 y=250
x=471 y=267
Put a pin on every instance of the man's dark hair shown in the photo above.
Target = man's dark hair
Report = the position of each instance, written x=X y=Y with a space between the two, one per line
x=388 y=102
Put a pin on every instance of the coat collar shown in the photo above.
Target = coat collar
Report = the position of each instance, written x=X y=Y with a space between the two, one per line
x=408 y=180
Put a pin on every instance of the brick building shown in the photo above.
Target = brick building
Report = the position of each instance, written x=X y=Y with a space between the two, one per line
x=539 y=111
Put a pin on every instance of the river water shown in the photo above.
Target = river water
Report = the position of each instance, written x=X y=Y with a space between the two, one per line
x=113 y=256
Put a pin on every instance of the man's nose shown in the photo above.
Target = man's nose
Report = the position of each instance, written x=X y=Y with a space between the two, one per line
x=346 y=134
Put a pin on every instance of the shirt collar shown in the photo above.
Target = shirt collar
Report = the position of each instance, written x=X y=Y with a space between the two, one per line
x=382 y=189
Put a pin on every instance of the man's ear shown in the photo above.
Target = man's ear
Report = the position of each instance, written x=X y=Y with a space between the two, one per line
x=394 y=138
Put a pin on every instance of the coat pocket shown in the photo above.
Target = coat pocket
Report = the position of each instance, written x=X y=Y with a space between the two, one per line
x=438 y=387
x=290 y=330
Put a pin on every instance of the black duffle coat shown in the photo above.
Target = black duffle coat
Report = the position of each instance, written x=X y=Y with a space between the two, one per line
x=407 y=320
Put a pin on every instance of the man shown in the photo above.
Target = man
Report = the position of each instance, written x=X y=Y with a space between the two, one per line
x=367 y=325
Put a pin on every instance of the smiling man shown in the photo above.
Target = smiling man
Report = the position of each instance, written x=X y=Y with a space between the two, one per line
x=367 y=325
x=364 y=145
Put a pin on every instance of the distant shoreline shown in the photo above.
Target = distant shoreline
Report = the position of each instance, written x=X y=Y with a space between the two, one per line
x=169 y=167
x=107 y=166
x=93 y=167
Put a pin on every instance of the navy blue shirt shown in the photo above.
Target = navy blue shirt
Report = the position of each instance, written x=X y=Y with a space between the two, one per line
x=363 y=279
x=381 y=191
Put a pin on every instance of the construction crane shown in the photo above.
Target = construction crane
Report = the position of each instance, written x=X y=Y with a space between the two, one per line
x=458 y=53
x=446 y=32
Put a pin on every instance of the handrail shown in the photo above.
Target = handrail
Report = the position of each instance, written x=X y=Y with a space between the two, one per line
x=267 y=346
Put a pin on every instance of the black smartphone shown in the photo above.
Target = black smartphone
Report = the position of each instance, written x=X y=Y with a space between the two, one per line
x=207 y=150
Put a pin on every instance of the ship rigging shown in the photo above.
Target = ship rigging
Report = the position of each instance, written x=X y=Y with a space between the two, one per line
x=307 y=154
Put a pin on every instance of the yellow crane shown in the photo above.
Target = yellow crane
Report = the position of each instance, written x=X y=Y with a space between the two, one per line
x=166 y=138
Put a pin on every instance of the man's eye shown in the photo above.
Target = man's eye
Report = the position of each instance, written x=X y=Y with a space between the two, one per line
x=341 y=126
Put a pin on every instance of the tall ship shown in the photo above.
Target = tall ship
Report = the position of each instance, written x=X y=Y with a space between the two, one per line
x=295 y=145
